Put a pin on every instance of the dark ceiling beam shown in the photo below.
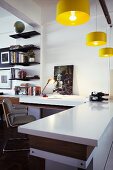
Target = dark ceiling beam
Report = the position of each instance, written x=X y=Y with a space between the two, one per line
x=106 y=12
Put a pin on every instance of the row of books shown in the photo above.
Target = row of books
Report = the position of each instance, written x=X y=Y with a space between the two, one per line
x=21 y=90
x=18 y=57
x=34 y=91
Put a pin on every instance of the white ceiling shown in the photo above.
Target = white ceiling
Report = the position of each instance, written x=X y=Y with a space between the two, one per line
x=4 y=13
x=51 y=8
x=48 y=8
x=109 y=4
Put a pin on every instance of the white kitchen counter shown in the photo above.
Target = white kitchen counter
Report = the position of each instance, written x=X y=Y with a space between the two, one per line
x=84 y=124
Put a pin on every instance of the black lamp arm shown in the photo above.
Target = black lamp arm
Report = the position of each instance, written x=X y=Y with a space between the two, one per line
x=45 y=87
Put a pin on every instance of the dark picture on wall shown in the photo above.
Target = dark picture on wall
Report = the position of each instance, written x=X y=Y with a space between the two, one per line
x=63 y=76
x=4 y=57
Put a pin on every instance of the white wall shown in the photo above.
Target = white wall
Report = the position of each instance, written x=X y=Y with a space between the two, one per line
x=6 y=29
x=66 y=46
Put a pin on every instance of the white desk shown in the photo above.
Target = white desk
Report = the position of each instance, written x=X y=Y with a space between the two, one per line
x=61 y=100
x=88 y=124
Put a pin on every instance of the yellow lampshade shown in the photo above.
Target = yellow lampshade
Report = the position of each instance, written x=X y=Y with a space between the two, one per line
x=106 y=52
x=72 y=12
x=96 y=38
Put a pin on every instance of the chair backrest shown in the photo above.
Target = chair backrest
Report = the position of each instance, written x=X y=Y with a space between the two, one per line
x=9 y=104
x=6 y=111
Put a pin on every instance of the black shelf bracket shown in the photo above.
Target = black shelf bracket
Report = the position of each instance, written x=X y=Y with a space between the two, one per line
x=106 y=12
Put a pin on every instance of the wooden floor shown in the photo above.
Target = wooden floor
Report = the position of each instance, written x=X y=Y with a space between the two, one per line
x=19 y=160
x=22 y=161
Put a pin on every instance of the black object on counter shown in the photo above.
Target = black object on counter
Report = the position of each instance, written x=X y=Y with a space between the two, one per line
x=1 y=93
x=98 y=96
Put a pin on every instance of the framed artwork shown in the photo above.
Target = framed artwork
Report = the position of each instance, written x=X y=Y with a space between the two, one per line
x=5 y=57
x=63 y=76
x=5 y=82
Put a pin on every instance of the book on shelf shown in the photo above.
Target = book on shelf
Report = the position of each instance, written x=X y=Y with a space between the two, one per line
x=30 y=90
x=15 y=73
x=21 y=57
x=14 y=56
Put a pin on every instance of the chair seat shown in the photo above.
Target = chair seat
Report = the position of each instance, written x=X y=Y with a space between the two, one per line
x=23 y=119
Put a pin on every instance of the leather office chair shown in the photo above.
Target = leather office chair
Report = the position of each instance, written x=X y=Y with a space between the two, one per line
x=15 y=115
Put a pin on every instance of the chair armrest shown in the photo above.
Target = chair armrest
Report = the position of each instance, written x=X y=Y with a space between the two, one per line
x=15 y=115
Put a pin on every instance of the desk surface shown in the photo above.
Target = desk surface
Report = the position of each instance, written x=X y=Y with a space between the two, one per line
x=84 y=124
x=61 y=100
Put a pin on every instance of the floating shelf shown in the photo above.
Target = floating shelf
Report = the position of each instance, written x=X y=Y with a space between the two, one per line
x=25 y=49
x=24 y=64
x=27 y=78
x=25 y=35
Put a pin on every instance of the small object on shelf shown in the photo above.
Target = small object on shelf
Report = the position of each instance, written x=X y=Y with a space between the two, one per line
x=25 y=35
x=21 y=90
x=98 y=96
x=25 y=58
x=24 y=48
x=25 y=84
x=22 y=74
x=36 y=90
x=15 y=47
x=26 y=78
x=31 y=55
x=19 y=27
x=36 y=77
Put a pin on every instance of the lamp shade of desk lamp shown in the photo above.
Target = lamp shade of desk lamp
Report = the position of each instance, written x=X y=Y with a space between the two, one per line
x=96 y=38
x=106 y=52
x=73 y=12
x=48 y=81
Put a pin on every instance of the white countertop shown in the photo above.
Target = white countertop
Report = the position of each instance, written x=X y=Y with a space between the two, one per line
x=61 y=100
x=84 y=124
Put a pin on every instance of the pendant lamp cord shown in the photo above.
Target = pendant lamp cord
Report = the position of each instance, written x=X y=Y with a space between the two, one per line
x=110 y=36
x=109 y=76
x=96 y=14
x=109 y=63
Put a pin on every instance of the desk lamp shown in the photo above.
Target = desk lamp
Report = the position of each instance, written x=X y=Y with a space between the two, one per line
x=48 y=81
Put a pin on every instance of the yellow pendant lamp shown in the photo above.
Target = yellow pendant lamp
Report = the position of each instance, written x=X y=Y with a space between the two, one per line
x=72 y=12
x=106 y=52
x=96 y=38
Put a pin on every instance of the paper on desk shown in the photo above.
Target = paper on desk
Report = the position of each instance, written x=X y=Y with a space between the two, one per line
x=55 y=97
